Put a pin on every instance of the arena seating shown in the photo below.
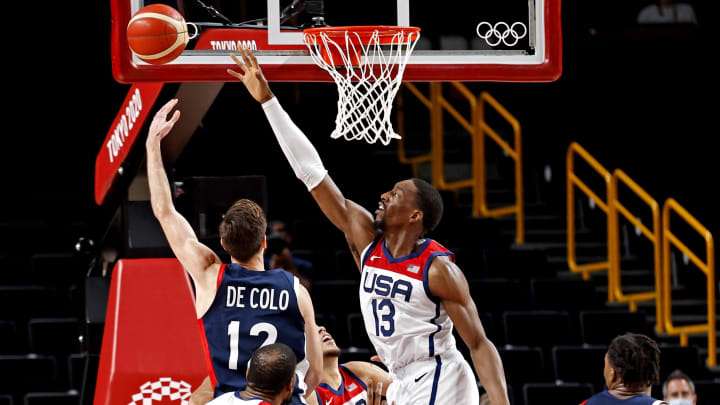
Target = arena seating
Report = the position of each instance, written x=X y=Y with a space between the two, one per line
x=580 y=364
x=554 y=393
x=551 y=327
x=52 y=398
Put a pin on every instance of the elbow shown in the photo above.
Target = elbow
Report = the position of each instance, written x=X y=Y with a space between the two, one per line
x=312 y=379
x=478 y=342
x=161 y=212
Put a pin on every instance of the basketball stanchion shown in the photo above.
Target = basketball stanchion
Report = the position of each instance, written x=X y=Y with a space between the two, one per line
x=367 y=64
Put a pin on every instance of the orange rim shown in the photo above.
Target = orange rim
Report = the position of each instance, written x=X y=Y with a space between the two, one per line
x=364 y=32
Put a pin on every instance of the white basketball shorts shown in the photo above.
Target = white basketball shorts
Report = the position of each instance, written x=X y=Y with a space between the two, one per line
x=439 y=380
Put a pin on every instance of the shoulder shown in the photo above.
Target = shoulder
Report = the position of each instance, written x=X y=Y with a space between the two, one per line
x=443 y=274
x=225 y=399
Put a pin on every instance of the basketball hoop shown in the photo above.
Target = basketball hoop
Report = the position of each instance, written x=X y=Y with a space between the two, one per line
x=367 y=64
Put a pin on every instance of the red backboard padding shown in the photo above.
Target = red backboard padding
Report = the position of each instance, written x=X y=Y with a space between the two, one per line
x=151 y=341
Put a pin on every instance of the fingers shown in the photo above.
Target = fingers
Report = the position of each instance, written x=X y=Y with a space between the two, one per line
x=164 y=110
x=374 y=391
x=252 y=57
x=175 y=117
x=235 y=74
x=240 y=63
x=246 y=59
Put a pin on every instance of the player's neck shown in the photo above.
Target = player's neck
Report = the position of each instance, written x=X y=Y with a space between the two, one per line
x=622 y=392
x=254 y=263
x=401 y=243
x=248 y=393
x=331 y=374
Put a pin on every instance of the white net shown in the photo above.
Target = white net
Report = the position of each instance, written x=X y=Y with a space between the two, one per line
x=368 y=77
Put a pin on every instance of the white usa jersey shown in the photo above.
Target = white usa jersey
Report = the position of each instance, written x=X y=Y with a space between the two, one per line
x=404 y=322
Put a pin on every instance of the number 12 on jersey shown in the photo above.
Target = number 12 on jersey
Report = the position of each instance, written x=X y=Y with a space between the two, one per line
x=384 y=313
x=256 y=330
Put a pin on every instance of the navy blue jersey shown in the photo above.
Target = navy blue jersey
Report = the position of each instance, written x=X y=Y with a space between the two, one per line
x=605 y=398
x=251 y=309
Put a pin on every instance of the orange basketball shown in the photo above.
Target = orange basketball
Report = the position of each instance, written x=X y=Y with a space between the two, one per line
x=157 y=34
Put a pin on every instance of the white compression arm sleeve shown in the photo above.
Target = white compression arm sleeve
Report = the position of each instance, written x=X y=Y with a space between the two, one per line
x=298 y=150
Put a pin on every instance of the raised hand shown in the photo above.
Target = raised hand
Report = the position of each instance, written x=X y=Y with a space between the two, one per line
x=374 y=392
x=251 y=75
x=160 y=126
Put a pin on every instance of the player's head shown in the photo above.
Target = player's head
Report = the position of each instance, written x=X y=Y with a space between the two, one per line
x=679 y=389
x=329 y=347
x=413 y=201
x=632 y=360
x=242 y=230
x=272 y=371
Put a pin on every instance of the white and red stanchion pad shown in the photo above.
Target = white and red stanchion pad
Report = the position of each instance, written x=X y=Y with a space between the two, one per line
x=152 y=350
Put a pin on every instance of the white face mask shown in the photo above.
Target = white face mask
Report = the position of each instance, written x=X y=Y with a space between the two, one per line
x=681 y=401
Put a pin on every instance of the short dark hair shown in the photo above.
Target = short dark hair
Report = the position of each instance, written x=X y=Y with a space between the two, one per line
x=636 y=358
x=271 y=369
x=242 y=229
x=677 y=375
x=429 y=202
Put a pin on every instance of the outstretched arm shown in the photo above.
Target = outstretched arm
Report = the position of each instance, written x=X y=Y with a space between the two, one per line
x=368 y=372
x=352 y=219
x=197 y=258
x=313 y=349
x=447 y=282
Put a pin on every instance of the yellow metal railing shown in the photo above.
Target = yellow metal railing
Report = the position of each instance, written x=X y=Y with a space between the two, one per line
x=614 y=272
x=477 y=127
x=707 y=267
x=572 y=182
x=514 y=152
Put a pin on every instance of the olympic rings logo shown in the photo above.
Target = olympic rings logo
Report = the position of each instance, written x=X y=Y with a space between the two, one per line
x=501 y=32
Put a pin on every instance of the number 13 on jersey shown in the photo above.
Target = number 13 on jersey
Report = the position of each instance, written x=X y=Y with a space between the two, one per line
x=384 y=313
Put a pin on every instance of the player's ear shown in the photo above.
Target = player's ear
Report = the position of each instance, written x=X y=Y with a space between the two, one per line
x=288 y=391
x=222 y=243
x=416 y=216
x=613 y=375
x=264 y=242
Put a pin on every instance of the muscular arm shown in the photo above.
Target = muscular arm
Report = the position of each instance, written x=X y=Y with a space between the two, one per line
x=353 y=220
x=368 y=371
x=313 y=349
x=198 y=259
x=447 y=282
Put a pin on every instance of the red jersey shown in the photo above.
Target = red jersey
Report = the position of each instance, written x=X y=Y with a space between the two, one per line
x=352 y=390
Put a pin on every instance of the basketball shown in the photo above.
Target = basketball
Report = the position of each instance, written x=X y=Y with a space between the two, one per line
x=157 y=34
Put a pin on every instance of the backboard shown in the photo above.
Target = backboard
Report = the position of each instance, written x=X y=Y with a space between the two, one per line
x=483 y=40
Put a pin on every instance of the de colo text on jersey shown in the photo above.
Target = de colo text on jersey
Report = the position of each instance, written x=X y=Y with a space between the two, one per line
x=263 y=298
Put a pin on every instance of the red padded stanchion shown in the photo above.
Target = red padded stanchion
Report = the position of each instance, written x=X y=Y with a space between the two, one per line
x=152 y=351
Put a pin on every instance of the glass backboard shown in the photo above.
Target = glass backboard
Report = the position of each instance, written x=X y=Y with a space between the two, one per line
x=483 y=40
